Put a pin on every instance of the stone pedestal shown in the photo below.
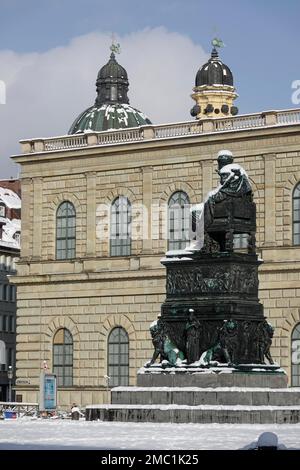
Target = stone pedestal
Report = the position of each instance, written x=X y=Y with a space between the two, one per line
x=214 y=377
x=191 y=395
x=218 y=287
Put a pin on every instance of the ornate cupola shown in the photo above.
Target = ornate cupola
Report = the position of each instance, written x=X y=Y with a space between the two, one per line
x=111 y=109
x=112 y=83
x=214 y=92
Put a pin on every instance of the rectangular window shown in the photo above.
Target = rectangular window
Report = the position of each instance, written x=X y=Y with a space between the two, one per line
x=296 y=238
x=11 y=293
x=5 y=292
x=5 y=323
x=11 y=324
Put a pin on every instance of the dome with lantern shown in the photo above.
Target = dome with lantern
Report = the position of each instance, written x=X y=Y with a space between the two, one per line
x=214 y=72
x=214 y=91
x=111 y=110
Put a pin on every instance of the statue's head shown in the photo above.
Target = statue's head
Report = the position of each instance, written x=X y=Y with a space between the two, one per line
x=225 y=157
x=224 y=175
x=155 y=326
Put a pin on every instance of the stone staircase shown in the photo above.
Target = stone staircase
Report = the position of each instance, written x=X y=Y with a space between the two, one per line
x=209 y=402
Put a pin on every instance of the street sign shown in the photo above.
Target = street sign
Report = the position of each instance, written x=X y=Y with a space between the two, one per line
x=22 y=381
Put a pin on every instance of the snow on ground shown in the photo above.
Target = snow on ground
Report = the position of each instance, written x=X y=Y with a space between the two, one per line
x=56 y=434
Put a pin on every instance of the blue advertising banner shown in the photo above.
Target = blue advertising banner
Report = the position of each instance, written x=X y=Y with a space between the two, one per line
x=48 y=391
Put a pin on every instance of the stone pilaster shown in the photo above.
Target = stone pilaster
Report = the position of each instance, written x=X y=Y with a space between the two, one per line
x=37 y=217
x=91 y=213
x=270 y=199
x=27 y=190
x=147 y=200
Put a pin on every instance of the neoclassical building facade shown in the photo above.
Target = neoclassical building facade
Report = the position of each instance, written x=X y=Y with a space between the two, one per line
x=101 y=207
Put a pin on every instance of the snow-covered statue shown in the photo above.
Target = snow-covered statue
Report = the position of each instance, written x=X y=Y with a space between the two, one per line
x=164 y=348
x=212 y=312
x=226 y=347
x=193 y=330
x=228 y=211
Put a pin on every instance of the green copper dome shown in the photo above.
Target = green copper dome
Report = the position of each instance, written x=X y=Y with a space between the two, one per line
x=108 y=117
x=111 y=109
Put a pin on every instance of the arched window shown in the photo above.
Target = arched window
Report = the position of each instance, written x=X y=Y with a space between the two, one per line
x=120 y=234
x=118 y=357
x=65 y=231
x=295 y=355
x=178 y=221
x=63 y=357
x=296 y=215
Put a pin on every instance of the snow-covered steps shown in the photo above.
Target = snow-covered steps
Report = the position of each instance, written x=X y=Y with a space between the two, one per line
x=195 y=396
x=234 y=414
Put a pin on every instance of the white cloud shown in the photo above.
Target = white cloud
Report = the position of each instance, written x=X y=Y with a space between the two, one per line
x=46 y=91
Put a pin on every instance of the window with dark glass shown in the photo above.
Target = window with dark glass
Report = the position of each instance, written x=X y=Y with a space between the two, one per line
x=295 y=356
x=12 y=295
x=63 y=357
x=5 y=292
x=11 y=324
x=296 y=215
x=5 y=323
x=65 y=231
x=178 y=221
x=120 y=234
x=118 y=357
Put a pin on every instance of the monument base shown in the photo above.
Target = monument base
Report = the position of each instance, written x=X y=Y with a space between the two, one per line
x=219 y=376
x=195 y=395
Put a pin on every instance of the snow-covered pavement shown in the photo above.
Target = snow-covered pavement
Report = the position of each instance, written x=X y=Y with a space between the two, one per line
x=26 y=433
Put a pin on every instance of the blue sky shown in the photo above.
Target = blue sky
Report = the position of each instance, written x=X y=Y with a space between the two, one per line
x=261 y=49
